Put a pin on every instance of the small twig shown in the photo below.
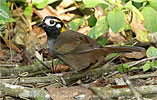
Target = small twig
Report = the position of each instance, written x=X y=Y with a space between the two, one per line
x=60 y=83
x=43 y=71
x=42 y=63
x=39 y=73
x=23 y=18
x=76 y=4
x=8 y=65
x=143 y=60
x=8 y=77
x=143 y=76
x=63 y=81
x=15 y=80
x=24 y=74
x=115 y=57
x=24 y=92
x=112 y=74
x=87 y=86
x=67 y=10
x=132 y=88
x=10 y=48
x=135 y=63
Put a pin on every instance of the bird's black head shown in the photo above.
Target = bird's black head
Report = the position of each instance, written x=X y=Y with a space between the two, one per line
x=53 y=26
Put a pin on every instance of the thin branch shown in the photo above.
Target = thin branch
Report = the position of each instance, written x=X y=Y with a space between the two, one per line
x=143 y=60
x=107 y=93
x=24 y=92
x=143 y=76
x=137 y=95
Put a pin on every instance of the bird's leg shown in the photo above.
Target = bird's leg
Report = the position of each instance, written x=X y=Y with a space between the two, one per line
x=53 y=68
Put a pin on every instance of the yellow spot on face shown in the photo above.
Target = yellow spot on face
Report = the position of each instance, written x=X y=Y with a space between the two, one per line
x=63 y=29
x=58 y=20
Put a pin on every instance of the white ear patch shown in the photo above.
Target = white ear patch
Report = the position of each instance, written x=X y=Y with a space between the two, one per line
x=58 y=26
x=47 y=21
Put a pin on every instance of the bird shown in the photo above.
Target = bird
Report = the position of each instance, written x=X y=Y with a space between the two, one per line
x=75 y=49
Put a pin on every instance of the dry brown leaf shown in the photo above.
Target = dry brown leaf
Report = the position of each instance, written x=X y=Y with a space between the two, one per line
x=38 y=30
x=139 y=29
x=11 y=45
x=59 y=68
x=66 y=17
x=41 y=35
x=99 y=12
x=137 y=55
x=69 y=93
x=65 y=3
x=136 y=24
x=116 y=38
x=1 y=54
x=84 y=30
x=47 y=11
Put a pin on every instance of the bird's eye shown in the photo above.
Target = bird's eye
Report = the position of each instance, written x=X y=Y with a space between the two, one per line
x=52 y=21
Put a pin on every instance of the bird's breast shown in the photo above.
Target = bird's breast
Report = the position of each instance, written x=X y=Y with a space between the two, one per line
x=51 y=43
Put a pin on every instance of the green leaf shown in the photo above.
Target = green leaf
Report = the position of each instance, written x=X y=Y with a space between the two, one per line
x=151 y=52
x=115 y=2
x=154 y=64
x=110 y=56
x=104 y=6
x=137 y=4
x=153 y=3
x=36 y=62
x=40 y=98
x=120 y=69
x=2 y=0
x=126 y=26
x=150 y=19
x=93 y=3
x=42 y=3
x=146 y=66
x=92 y=21
x=134 y=68
x=125 y=1
x=100 y=28
x=17 y=1
x=125 y=66
x=28 y=11
x=115 y=19
x=102 y=41
x=138 y=0
x=128 y=5
x=2 y=26
x=74 y=24
x=5 y=13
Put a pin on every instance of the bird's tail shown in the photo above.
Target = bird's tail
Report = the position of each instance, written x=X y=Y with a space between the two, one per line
x=123 y=49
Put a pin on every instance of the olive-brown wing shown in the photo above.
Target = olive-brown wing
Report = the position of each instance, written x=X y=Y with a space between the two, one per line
x=80 y=61
x=74 y=42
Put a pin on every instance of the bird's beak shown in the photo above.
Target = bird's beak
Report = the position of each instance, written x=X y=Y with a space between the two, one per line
x=41 y=24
